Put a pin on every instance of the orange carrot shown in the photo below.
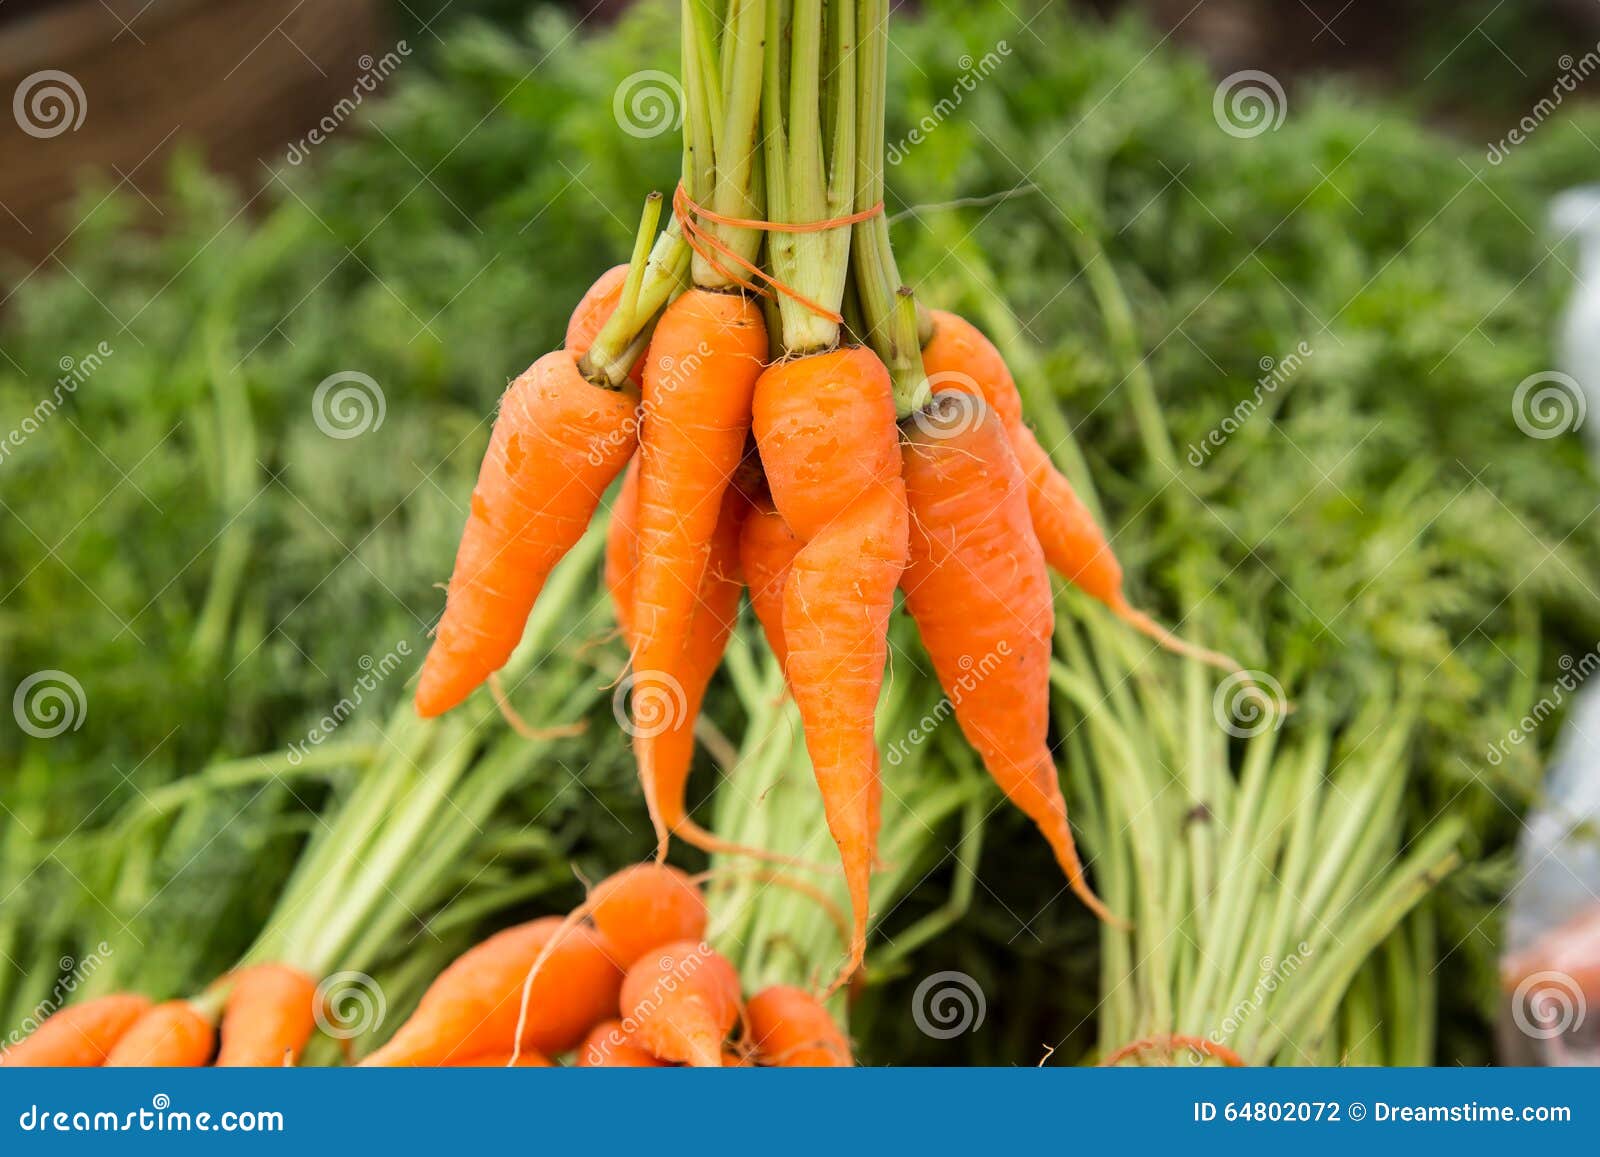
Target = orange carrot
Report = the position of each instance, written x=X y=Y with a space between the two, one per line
x=715 y=613
x=643 y=907
x=825 y=425
x=705 y=356
x=977 y=587
x=622 y=549
x=594 y=310
x=77 y=1037
x=526 y=1059
x=270 y=1014
x=473 y=1006
x=791 y=1029
x=680 y=1002
x=170 y=1035
x=608 y=1047
x=959 y=357
x=557 y=444
x=766 y=552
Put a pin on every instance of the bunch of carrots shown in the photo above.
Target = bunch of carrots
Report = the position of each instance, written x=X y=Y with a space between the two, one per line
x=624 y=981
x=787 y=421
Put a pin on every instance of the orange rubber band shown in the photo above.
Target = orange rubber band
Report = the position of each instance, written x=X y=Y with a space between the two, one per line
x=1176 y=1041
x=687 y=209
x=777 y=226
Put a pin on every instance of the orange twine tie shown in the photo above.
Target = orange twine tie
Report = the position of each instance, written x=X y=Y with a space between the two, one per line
x=709 y=247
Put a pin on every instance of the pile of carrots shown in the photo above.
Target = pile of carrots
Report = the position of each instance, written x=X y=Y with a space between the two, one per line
x=267 y=1014
x=625 y=981
x=762 y=383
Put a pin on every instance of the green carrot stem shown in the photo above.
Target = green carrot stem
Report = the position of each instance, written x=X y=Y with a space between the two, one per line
x=736 y=187
x=809 y=115
x=886 y=306
x=657 y=272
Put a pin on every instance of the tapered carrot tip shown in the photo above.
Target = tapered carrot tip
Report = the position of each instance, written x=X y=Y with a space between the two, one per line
x=683 y=1000
x=976 y=584
x=1165 y=638
x=712 y=844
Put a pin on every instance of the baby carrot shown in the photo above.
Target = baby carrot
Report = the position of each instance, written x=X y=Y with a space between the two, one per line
x=705 y=356
x=681 y=1001
x=270 y=1014
x=791 y=1029
x=557 y=444
x=79 y=1036
x=473 y=1006
x=825 y=425
x=959 y=357
x=977 y=587
x=643 y=907
x=170 y=1035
